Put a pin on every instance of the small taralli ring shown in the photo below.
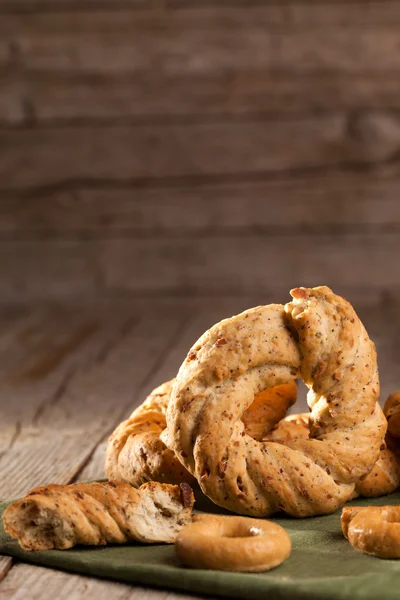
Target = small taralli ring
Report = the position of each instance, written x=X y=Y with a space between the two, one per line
x=232 y=544
x=373 y=529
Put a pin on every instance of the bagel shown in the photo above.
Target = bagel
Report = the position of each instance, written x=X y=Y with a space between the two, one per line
x=319 y=337
x=373 y=529
x=232 y=544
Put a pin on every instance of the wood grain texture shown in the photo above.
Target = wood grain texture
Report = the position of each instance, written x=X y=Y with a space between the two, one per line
x=207 y=39
x=36 y=452
x=44 y=356
x=5 y=566
x=354 y=202
x=263 y=262
x=27 y=6
x=80 y=99
x=94 y=468
x=320 y=9
x=206 y=266
x=38 y=583
x=65 y=271
x=125 y=153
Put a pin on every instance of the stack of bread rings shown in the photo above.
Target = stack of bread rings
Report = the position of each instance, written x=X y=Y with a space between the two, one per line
x=222 y=421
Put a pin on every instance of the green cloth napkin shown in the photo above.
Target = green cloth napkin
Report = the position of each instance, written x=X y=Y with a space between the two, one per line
x=323 y=565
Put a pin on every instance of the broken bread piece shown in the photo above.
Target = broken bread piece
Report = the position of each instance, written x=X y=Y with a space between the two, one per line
x=61 y=516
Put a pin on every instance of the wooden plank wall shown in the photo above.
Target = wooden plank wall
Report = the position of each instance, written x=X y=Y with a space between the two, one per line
x=195 y=147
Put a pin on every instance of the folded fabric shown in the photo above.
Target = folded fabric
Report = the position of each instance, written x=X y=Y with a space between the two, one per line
x=323 y=565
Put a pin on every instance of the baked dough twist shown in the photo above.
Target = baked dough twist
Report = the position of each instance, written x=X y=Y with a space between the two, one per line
x=373 y=529
x=232 y=544
x=319 y=336
x=385 y=475
x=382 y=480
x=136 y=453
x=61 y=516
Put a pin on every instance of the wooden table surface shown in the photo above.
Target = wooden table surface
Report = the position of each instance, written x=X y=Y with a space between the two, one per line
x=68 y=375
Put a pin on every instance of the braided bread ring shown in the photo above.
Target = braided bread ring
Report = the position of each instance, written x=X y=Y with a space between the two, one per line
x=136 y=452
x=382 y=480
x=250 y=352
x=385 y=476
x=268 y=408
x=232 y=544
x=373 y=529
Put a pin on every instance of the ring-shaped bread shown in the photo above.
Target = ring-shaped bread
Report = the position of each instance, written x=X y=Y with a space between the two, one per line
x=136 y=452
x=382 y=480
x=232 y=544
x=373 y=529
x=319 y=337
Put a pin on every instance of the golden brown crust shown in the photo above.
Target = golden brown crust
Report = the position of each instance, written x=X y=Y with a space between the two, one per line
x=373 y=529
x=61 y=516
x=385 y=475
x=248 y=353
x=136 y=451
x=382 y=480
x=268 y=408
x=232 y=544
x=289 y=428
x=136 y=454
x=392 y=413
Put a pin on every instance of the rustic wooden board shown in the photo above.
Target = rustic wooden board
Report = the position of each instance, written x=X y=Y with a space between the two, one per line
x=25 y=275
x=5 y=566
x=78 y=99
x=38 y=583
x=43 y=357
x=271 y=37
x=223 y=265
x=329 y=9
x=212 y=264
x=352 y=202
x=94 y=468
x=127 y=153
x=26 y=6
x=82 y=405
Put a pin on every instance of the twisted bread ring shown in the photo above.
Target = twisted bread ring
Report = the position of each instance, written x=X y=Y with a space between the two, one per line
x=136 y=453
x=232 y=544
x=373 y=529
x=240 y=357
x=385 y=475
x=382 y=480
